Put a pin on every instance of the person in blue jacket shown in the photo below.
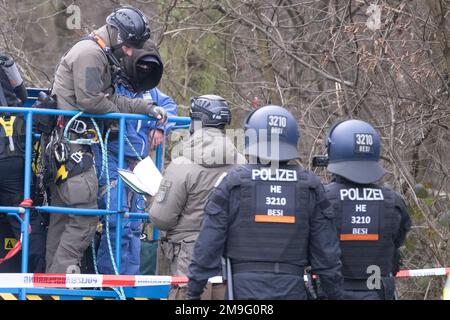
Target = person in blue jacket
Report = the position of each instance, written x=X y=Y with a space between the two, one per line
x=142 y=73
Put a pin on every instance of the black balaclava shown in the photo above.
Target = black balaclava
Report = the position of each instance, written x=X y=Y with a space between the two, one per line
x=144 y=68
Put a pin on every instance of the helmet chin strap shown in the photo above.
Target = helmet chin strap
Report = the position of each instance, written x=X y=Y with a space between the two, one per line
x=195 y=125
x=117 y=51
x=115 y=45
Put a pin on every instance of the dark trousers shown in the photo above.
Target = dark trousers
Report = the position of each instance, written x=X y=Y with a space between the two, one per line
x=268 y=286
x=11 y=195
x=362 y=295
x=69 y=235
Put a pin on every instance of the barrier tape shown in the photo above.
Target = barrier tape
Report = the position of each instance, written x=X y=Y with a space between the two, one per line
x=44 y=280
x=423 y=272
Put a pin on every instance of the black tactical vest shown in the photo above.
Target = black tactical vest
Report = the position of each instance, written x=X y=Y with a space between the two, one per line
x=273 y=221
x=365 y=221
x=14 y=126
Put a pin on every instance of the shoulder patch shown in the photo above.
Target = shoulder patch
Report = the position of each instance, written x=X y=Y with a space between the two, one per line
x=164 y=188
x=219 y=180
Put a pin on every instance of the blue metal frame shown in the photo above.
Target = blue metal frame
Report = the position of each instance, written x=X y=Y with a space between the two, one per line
x=153 y=292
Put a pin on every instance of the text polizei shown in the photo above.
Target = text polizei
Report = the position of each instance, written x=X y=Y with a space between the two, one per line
x=362 y=194
x=269 y=174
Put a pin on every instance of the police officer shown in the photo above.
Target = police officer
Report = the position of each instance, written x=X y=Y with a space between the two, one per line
x=178 y=206
x=372 y=221
x=83 y=81
x=269 y=218
x=12 y=153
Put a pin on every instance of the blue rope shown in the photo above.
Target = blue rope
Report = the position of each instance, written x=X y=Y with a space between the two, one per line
x=138 y=156
x=105 y=168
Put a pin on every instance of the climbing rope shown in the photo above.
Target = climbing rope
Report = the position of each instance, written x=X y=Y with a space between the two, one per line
x=138 y=156
x=105 y=169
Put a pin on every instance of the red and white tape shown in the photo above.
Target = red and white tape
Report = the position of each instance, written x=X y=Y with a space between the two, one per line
x=423 y=272
x=44 y=280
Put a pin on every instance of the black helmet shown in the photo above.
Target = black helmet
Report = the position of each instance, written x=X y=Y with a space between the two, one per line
x=132 y=26
x=354 y=151
x=212 y=110
x=266 y=124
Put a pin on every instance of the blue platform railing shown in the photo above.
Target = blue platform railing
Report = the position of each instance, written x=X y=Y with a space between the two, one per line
x=150 y=292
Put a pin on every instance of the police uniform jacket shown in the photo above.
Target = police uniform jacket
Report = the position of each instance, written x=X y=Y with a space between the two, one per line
x=372 y=223
x=261 y=276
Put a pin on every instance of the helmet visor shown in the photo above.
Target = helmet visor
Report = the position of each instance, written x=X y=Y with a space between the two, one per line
x=358 y=171
x=283 y=151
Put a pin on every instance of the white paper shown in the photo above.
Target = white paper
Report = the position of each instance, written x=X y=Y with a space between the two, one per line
x=145 y=177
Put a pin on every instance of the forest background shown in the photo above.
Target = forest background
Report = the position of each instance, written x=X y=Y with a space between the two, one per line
x=386 y=62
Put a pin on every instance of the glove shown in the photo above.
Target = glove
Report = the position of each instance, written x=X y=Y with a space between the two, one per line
x=158 y=113
x=11 y=71
x=6 y=60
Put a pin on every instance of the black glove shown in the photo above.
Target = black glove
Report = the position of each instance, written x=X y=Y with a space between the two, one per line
x=11 y=71
x=158 y=113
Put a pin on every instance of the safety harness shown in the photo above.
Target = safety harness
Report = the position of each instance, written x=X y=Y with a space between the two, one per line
x=68 y=151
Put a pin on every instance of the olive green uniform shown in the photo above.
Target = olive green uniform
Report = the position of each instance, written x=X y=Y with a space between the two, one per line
x=178 y=206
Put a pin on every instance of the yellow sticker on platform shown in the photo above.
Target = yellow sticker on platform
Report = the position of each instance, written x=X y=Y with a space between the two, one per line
x=10 y=243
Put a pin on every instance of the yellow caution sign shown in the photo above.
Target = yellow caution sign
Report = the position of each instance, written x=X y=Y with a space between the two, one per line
x=446 y=293
x=10 y=243
x=62 y=173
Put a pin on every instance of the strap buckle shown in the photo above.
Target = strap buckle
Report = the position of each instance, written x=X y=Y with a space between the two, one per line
x=77 y=157
x=60 y=152
x=78 y=126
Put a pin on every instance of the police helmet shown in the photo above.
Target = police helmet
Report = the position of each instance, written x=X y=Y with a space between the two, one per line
x=266 y=124
x=132 y=25
x=212 y=110
x=354 y=151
